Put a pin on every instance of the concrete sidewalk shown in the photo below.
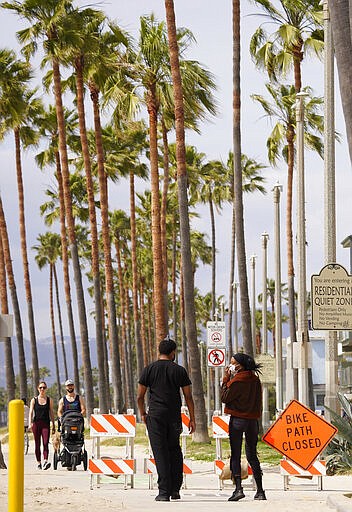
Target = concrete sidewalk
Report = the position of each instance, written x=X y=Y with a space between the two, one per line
x=61 y=490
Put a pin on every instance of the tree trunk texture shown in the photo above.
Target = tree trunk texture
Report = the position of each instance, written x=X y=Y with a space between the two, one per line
x=66 y=272
x=26 y=276
x=201 y=434
x=82 y=314
x=238 y=191
x=103 y=399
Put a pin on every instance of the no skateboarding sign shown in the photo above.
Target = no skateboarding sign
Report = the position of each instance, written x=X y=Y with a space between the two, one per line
x=216 y=357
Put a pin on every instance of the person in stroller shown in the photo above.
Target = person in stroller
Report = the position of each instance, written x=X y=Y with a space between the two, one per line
x=71 y=413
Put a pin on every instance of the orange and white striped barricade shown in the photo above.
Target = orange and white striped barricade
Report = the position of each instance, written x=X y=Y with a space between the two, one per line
x=150 y=469
x=113 y=425
x=220 y=425
x=187 y=468
x=290 y=469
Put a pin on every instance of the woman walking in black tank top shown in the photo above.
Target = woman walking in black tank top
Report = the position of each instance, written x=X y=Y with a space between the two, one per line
x=40 y=413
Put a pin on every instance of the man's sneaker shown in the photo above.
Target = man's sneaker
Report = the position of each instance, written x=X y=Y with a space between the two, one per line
x=46 y=465
x=175 y=495
x=161 y=497
x=260 y=495
x=39 y=466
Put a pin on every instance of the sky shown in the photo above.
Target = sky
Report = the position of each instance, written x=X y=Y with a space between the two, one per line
x=211 y=24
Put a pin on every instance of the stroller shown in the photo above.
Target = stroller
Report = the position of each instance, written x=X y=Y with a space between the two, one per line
x=72 y=438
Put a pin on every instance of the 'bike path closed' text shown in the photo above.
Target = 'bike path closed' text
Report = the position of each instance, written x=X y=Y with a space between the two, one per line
x=299 y=434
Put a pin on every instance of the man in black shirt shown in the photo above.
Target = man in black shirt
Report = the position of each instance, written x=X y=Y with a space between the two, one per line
x=165 y=378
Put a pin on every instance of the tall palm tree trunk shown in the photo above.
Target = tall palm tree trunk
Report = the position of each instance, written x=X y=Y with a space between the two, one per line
x=103 y=400
x=238 y=197
x=27 y=281
x=136 y=319
x=109 y=284
x=201 y=434
x=9 y=369
x=161 y=329
x=59 y=316
x=66 y=273
x=87 y=367
x=53 y=331
x=163 y=211
x=14 y=300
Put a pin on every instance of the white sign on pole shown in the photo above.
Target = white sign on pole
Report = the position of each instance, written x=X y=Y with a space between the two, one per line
x=6 y=326
x=216 y=334
x=332 y=299
x=216 y=357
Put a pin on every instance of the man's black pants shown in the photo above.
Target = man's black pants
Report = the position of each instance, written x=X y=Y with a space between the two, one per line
x=164 y=436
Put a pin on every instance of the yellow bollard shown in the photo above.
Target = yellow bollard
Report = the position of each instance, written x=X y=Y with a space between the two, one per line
x=16 y=456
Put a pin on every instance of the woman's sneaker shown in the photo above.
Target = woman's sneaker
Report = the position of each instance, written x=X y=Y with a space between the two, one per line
x=39 y=466
x=46 y=465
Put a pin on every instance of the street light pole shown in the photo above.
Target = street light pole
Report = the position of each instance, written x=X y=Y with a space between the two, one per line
x=266 y=413
x=278 y=312
x=265 y=238
x=331 y=356
x=302 y=322
x=252 y=261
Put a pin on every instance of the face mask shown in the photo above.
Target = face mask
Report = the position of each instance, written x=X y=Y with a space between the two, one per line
x=233 y=368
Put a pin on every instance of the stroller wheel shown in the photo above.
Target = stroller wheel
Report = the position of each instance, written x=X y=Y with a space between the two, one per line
x=74 y=462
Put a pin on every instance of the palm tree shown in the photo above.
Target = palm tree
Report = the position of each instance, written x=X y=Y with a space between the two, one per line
x=51 y=156
x=87 y=22
x=298 y=32
x=280 y=144
x=340 y=13
x=47 y=19
x=19 y=109
x=252 y=181
x=14 y=300
x=238 y=186
x=48 y=251
x=201 y=434
x=10 y=372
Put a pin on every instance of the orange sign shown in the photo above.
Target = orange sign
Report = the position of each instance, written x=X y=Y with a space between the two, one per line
x=299 y=434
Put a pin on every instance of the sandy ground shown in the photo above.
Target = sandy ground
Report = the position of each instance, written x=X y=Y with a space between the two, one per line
x=62 y=490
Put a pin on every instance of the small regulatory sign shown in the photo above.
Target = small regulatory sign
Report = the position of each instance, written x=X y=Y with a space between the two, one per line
x=299 y=434
x=216 y=334
x=216 y=357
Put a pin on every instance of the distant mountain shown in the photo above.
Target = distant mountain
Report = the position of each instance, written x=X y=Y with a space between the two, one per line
x=46 y=357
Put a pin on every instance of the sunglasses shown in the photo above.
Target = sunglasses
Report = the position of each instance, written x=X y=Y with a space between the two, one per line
x=42 y=387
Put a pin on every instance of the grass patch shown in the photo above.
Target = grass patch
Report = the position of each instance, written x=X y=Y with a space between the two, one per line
x=197 y=451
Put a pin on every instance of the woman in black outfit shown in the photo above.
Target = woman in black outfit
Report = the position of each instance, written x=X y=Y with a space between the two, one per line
x=241 y=391
x=40 y=413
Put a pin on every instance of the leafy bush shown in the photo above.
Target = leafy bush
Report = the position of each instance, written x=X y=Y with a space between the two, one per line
x=339 y=450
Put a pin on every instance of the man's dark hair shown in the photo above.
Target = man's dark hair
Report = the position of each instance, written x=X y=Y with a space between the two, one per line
x=166 y=346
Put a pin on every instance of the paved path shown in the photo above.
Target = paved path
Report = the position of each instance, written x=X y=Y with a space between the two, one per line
x=70 y=491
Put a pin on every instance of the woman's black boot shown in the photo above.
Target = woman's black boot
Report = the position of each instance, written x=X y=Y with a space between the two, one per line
x=238 y=493
x=260 y=494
